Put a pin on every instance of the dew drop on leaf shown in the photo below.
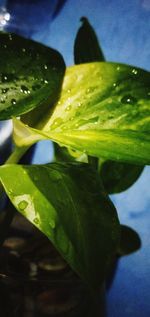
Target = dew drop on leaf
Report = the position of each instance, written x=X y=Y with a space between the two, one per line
x=68 y=108
x=36 y=221
x=56 y=123
x=128 y=99
x=5 y=90
x=2 y=100
x=24 y=89
x=13 y=102
x=134 y=71
x=23 y=205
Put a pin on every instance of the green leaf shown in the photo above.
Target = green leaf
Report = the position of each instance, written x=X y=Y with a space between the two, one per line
x=104 y=110
x=118 y=177
x=30 y=75
x=66 y=202
x=86 y=46
x=129 y=241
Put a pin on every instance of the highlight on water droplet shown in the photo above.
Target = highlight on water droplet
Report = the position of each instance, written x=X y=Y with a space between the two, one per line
x=24 y=89
x=13 y=102
x=134 y=71
x=2 y=100
x=68 y=108
x=128 y=99
x=5 y=90
x=23 y=205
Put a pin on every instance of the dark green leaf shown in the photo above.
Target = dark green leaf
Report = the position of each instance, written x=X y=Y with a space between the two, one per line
x=129 y=242
x=86 y=46
x=66 y=202
x=118 y=177
x=104 y=110
x=30 y=75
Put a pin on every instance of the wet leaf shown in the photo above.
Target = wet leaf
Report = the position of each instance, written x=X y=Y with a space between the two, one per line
x=103 y=111
x=30 y=75
x=118 y=177
x=66 y=202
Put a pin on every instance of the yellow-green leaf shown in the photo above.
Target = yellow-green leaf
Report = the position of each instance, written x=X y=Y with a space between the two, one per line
x=103 y=110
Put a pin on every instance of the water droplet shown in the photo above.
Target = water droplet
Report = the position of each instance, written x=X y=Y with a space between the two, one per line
x=5 y=46
x=4 y=91
x=2 y=100
x=114 y=84
x=23 y=50
x=10 y=37
x=7 y=77
x=90 y=89
x=128 y=99
x=118 y=68
x=24 y=89
x=68 y=108
x=57 y=122
x=45 y=81
x=134 y=71
x=13 y=102
x=10 y=191
x=23 y=205
x=3 y=78
x=45 y=67
x=36 y=221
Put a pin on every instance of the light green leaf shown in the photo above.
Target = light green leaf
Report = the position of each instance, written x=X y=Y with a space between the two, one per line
x=66 y=202
x=103 y=110
x=30 y=75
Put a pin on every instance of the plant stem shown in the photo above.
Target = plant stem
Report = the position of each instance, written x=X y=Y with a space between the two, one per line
x=16 y=155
